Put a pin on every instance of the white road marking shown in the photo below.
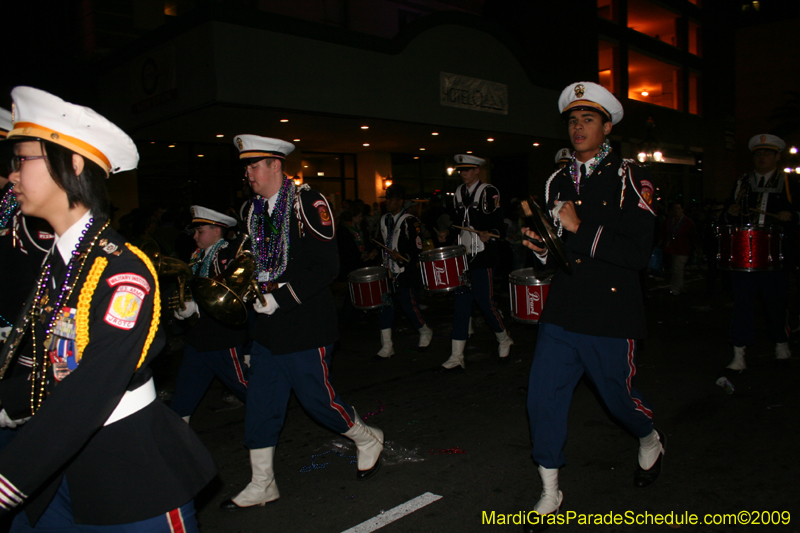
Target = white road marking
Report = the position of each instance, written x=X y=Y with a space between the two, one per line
x=397 y=513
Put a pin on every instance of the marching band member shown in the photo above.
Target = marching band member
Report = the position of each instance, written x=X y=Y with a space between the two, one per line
x=764 y=190
x=24 y=242
x=595 y=314
x=402 y=233
x=99 y=450
x=293 y=238
x=476 y=205
x=212 y=348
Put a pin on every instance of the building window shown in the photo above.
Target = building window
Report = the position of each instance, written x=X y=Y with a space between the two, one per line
x=608 y=65
x=607 y=9
x=695 y=94
x=654 y=81
x=653 y=20
x=695 y=40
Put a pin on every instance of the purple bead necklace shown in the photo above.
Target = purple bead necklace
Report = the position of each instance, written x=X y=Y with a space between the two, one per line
x=74 y=270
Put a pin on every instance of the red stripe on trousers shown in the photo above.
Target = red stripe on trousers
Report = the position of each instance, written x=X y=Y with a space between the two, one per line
x=175 y=519
x=237 y=367
x=632 y=372
x=329 y=387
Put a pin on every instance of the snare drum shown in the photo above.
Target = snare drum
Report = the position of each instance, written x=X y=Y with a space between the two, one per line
x=750 y=248
x=528 y=290
x=443 y=269
x=368 y=287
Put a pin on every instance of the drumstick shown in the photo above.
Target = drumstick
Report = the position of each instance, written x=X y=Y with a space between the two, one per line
x=406 y=259
x=471 y=230
x=763 y=212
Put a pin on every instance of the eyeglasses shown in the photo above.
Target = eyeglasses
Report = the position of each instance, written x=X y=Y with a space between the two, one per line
x=16 y=161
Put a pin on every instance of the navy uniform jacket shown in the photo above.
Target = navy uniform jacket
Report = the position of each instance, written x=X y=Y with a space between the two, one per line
x=141 y=466
x=208 y=333
x=603 y=295
x=24 y=243
x=407 y=243
x=482 y=213
x=306 y=318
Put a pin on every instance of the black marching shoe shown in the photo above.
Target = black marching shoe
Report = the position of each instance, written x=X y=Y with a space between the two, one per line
x=644 y=478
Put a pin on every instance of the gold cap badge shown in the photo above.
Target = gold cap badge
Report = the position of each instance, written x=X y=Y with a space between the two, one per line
x=763 y=138
x=579 y=90
x=239 y=142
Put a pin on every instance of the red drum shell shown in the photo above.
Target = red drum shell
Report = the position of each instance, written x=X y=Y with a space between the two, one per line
x=443 y=269
x=368 y=286
x=749 y=248
x=528 y=291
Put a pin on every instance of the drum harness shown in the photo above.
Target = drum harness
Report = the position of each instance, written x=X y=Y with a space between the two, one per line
x=473 y=245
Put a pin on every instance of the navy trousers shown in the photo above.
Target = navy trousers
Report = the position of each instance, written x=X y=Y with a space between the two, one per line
x=560 y=359
x=272 y=380
x=198 y=369
x=774 y=289
x=407 y=298
x=58 y=518
x=482 y=292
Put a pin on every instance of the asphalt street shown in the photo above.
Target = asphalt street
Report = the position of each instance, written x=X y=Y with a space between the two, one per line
x=465 y=436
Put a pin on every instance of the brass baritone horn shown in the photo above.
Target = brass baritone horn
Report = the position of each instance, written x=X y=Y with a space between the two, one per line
x=225 y=296
x=169 y=266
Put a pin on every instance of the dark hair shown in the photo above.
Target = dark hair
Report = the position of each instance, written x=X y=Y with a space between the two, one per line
x=87 y=189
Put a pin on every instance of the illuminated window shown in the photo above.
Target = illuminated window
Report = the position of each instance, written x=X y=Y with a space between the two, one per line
x=607 y=9
x=653 y=81
x=608 y=65
x=653 y=20
x=695 y=41
x=695 y=94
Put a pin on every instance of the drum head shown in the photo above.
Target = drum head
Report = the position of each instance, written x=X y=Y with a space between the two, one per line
x=530 y=276
x=367 y=274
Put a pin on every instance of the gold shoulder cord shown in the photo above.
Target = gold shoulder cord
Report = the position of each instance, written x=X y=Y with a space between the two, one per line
x=156 y=303
x=84 y=303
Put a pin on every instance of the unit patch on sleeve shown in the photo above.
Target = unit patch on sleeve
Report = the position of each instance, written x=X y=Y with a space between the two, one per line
x=124 y=307
x=646 y=195
x=324 y=214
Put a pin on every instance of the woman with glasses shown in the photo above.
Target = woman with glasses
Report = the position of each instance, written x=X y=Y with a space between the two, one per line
x=99 y=452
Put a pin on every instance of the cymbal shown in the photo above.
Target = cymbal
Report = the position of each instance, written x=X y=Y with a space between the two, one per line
x=546 y=231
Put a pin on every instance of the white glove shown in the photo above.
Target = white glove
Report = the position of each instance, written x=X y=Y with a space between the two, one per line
x=271 y=307
x=7 y=422
x=4 y=332
x=191 y=308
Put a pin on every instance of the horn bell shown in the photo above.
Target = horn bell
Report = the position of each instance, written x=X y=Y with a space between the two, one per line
x=225 y=296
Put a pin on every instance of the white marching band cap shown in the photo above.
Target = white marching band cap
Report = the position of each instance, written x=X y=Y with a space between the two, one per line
x=563 y=155
x=203 y=216
x=765 y=141
x=255 y=147
x=591 y=96
x=5 y=122
x=40 y=115
x=468 y=161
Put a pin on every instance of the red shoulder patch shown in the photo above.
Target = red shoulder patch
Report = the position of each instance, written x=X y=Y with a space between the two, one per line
x=646 y=193
x=324 y=214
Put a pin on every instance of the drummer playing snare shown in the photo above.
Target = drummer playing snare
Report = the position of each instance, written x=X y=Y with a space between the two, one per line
x=478 y=226
x=762 y=197
x=401 y=237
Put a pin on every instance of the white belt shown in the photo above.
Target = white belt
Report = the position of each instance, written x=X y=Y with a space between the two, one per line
x=133 y=401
